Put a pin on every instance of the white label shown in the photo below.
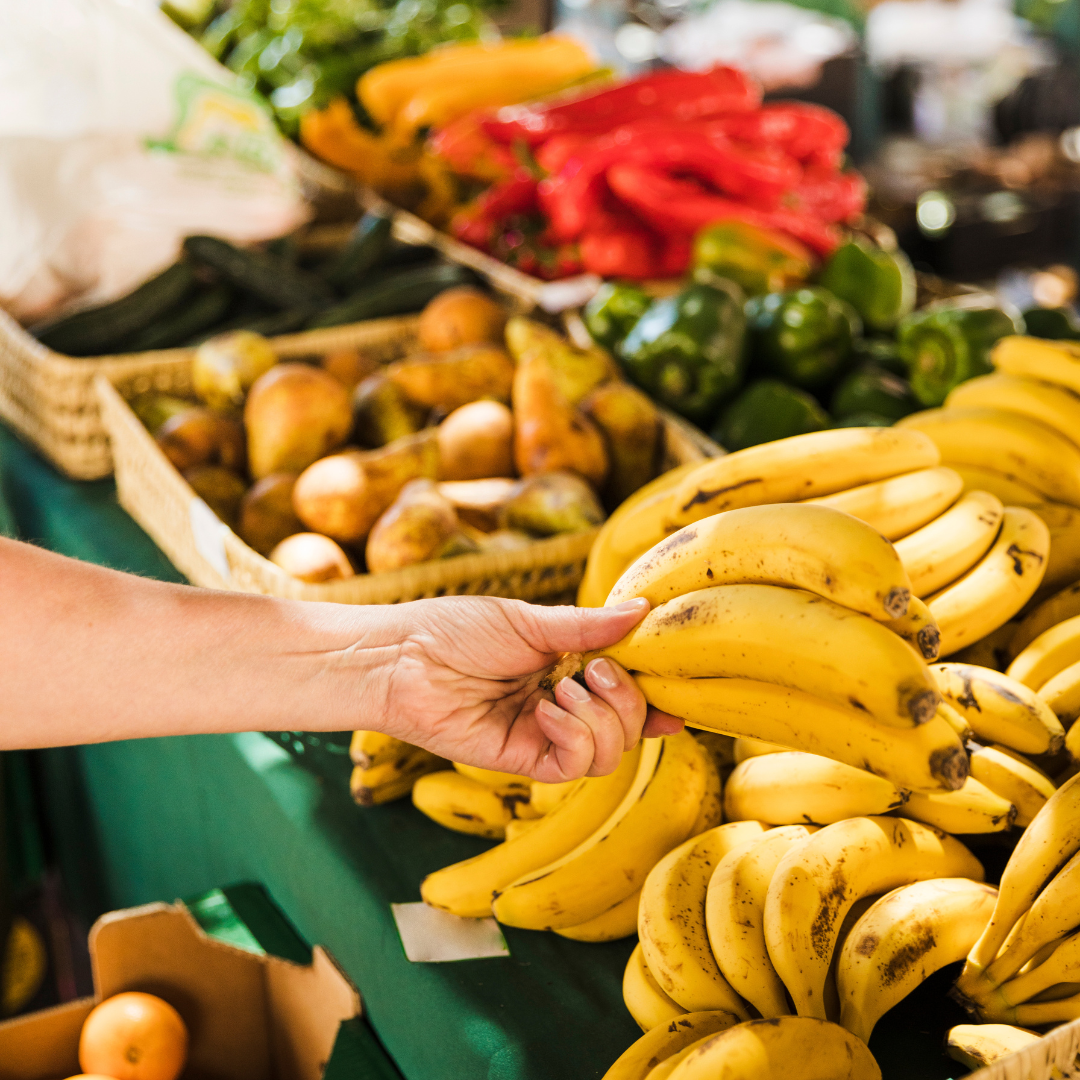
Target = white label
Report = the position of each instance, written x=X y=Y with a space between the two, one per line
x=431 y=936
x=208 y=531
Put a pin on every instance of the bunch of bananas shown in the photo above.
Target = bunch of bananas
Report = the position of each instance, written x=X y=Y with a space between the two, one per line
x=385 y=768
x=480 y=802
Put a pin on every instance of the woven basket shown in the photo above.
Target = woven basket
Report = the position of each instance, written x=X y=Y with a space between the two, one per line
x=1056 y=1057
x=211 y=554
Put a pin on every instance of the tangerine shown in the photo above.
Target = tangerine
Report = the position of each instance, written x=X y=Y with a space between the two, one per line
x=134 y=1036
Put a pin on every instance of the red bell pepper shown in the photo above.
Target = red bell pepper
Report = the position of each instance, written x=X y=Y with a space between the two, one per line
x=809 y=133
x=559 y=149
x=828 y=195
x=678 y=95
x=469 y=151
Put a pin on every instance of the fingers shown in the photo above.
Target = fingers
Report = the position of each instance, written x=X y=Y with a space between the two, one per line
x=570 y=753
x=659 y=723
x=609 y=740
x=612 y=683
x=574 y=629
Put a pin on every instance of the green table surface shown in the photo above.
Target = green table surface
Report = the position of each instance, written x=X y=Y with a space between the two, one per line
x=157 y=819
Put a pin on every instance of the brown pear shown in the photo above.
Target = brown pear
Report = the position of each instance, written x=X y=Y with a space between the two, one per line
x=225 y=367
x=550 y=434
x=266 y=513
x=552 y=503
x=419 y=526
x=382 y=412
x=343 y=495
x=460 y=316
x=312 y=558
x=295 y=414
x=451 y=379
x=476 y=441
x=576 y=371
x=479 y=503
x=219 y=488
x=201 y=437
x=153 y=408
x=349 y=366
x=633 y=432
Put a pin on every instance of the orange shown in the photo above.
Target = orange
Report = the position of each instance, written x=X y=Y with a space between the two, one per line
x=91 y=1076
x=134 y=1037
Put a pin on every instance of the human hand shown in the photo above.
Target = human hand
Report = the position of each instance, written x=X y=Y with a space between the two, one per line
x=465 y=683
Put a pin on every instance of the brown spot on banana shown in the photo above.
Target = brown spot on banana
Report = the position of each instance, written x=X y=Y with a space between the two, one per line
x=897 y=601
x=908 y=955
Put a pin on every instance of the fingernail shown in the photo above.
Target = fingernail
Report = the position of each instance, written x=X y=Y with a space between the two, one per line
x=574 y=691
x=603 y=674
x=639 y=603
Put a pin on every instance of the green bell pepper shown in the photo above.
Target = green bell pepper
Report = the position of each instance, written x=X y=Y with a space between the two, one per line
x=949 y=342
x=768 y=410
x=804 y=337
x=689 y=350
x=872 y=389
x=759 y=260
x=610 y=315
x=1054 y=324
x=882 y=351
x=878 y=284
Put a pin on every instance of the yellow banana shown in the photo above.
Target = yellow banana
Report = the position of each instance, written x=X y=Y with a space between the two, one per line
x=1040 y=1013
x=795 y=788
x=902 y=940
x=1059 y=607
x=393 y=779
x=648 y=1004
x=817 y=882
x=1005 y=442
x=901 y=504
x=1011 y=490
x=962 y=728
x=978 y=1045
x=492 y=778
x=1000 y=709
x=918 y=628
x=815 y=548
x=991 y=593
x=655 y=815
x=975 y=808
x=1050 y=653
x=617 y=922
x=1063 y=521
x=926 y=758
x=369 y=748
x=665 y=1040
x=1017 y=781
x=1062 y=694
x=669 y=1065
x=748 y=748
x=720 y=747
x=516 y=827
x=466 y=888
x=1049 y=841
x=734 y=917
x=545 y=797
x=1061 y=966
x=952 y=544
x=785 y=1048
x=802 y=467
x=465 y=805
x=711 y=811
x=671 y=919
x=789 y=637
x=1055 y=362
x=1053 y=406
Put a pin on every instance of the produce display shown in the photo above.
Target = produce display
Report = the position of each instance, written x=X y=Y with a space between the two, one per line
x=133 y=1031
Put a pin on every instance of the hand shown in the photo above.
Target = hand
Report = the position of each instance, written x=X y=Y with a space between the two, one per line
x=465 y=684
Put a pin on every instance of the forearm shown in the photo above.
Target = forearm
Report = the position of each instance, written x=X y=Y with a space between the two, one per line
x=91 y=655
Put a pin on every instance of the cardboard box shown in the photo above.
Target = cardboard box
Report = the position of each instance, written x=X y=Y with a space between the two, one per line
x=250 y=1016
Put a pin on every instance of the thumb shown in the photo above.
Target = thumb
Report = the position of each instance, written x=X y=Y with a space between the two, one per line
x=574 y=629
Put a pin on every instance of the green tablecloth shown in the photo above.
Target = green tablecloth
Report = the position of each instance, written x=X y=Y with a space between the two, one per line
x=158 y=819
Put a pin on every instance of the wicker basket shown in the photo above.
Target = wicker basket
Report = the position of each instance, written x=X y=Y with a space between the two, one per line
x=211 y=554
x=1056 y=1057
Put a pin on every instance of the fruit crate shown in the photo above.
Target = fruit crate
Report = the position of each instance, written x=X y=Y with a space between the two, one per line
x=210 y=554
x=1055 y=1057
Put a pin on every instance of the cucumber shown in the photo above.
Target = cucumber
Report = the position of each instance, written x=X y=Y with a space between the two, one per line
x=367 y=247
x=204 y=310
x=395 y=294
x=267 y=277
x=104 y=329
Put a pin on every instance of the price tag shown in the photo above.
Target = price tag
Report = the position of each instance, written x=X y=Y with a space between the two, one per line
x=208 y=531
x=431 y=936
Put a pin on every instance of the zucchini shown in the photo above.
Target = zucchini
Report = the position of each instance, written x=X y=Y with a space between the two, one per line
x=279 y=322
x=395 y=294
x=367 y=247
x=204 y=310
x=267 y=277
x=104 y=329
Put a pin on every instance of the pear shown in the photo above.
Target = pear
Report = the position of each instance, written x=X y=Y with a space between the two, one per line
x=633 y=432
x=295 y=414
x=448 y=380
x=419 y=526
x=552 y=503
x=479 y=503
x=225 y=367
x=382 y=412
x=219 y=488
x=577 y=371
x=476 y=442
x=550 y=434
x=312 y=558
x=200 y=437
x=153 y=408
x=460 y=316
x=266 y=513
x=349 y=366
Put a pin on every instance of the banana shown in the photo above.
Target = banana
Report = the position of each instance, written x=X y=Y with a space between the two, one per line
x=817 y=882
x=784 y=1048
x=926 y=758
x=1005 y=442
x=492 y=778
x=394 y=778
x=465 y=805
x=952 y=544
x=665 y=1040
x=801 y=467
x=617 y=922
x=1059 y=607
x=1000 y=709
x=962 y=728
x=1048 y=361
x=711 y=811
x=815 y=548
x=655 y=815
x=1047 y=843
x=545 y=797
x=1040 y=1013
x=786 y=636
x=975 y=808
x=991 y=593
x=901 y=504
x=1061 y=966
x=1063 y=521
x=1053 y=406
x=902 y=940
x=748 y=748
x=669 y=1065
x=1049 y=654
x=990 y=651
x=1062 y=694
x=918 y=628
x=368 y=748
x=515 y=827
x=1011 y=490
x=671 y=919
x=978 y=1045
x=466 y=888
x=1019 y=782
x=794 y=788
x=720 y=747
x=646 y=1002
x=734 y=915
